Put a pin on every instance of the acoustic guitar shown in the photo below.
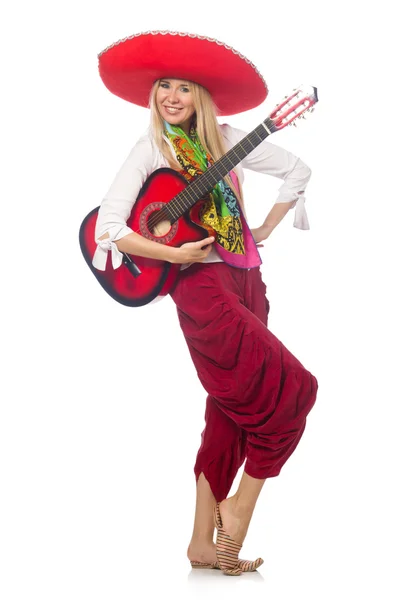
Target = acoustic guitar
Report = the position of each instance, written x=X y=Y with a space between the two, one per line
x=167 y=211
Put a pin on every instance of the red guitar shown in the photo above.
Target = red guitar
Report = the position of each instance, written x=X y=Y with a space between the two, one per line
x=174 y=221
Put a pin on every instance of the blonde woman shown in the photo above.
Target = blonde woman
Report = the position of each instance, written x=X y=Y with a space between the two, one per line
x=258 y=393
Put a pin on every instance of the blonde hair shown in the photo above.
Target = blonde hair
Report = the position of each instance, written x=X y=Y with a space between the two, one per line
x=208 y=128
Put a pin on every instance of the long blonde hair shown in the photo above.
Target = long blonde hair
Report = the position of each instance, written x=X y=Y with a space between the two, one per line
x=208 y=129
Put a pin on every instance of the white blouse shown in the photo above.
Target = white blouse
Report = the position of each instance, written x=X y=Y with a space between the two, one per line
x=145 y=157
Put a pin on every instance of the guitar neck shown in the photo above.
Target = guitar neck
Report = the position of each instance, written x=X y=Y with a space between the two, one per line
x=206 y=182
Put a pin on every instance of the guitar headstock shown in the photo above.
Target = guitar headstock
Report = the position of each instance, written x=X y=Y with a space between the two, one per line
x=295 y=106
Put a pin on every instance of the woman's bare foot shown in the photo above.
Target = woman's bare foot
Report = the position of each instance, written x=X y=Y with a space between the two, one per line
x=204 y=552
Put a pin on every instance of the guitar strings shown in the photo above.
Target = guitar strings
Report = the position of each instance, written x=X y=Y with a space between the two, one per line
x=162 y=213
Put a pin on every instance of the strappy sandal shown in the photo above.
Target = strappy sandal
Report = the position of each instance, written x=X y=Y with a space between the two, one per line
x=227 y=551
x=247 y=566
x=200 y=565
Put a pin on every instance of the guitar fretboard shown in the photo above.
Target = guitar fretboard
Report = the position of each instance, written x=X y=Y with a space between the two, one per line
x=205 y=182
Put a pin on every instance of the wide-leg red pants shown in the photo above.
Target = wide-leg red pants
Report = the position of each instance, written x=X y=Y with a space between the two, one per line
x=259 y=394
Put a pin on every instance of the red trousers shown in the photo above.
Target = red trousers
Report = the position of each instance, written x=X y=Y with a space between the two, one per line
x=259 y=394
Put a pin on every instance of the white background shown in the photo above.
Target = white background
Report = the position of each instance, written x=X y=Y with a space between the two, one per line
x=101 y=409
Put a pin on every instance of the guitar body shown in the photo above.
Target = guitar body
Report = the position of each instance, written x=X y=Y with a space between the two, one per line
x=157 y=277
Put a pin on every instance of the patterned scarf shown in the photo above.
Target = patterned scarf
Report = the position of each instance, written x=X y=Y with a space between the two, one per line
x=220 y=211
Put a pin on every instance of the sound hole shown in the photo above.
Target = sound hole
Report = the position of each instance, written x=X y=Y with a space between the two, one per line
x=157 y=224
x=154 y=224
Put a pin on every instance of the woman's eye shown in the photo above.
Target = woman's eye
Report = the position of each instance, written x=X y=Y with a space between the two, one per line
x=167 y=85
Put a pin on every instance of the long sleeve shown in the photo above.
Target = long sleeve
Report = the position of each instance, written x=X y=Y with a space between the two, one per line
x=273 y=160
x=116 y=206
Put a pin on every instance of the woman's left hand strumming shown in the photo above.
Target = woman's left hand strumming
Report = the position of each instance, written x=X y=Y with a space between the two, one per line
x=260 y=234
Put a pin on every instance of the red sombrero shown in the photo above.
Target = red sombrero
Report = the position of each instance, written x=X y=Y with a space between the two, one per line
x=130 y=66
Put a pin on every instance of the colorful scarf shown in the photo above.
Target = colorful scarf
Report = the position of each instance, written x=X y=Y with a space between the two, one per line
x=221 y=211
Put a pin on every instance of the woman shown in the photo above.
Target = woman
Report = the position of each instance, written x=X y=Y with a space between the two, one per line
x=259 y=394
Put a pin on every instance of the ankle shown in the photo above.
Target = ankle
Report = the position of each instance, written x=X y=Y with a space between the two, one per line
x=240 y=507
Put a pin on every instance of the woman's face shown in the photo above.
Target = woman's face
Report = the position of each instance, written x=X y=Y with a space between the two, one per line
x=175 y=102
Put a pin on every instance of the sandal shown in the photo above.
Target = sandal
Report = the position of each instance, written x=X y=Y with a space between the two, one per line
x=227 y=551
x=200 y=565
x=247 y=566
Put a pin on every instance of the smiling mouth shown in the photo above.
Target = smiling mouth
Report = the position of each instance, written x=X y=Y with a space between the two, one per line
x=172 y=109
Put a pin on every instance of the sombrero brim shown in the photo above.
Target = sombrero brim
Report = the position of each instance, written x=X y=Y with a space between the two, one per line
x=129 y=68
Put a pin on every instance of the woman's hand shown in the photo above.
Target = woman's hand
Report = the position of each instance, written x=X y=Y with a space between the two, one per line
x=260 y=234
x=194 y=251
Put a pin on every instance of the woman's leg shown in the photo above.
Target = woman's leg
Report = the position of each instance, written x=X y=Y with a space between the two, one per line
x=236 y=511
x=252 y=376
x=202 y=547
x=221 y=454
x=221 y=464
